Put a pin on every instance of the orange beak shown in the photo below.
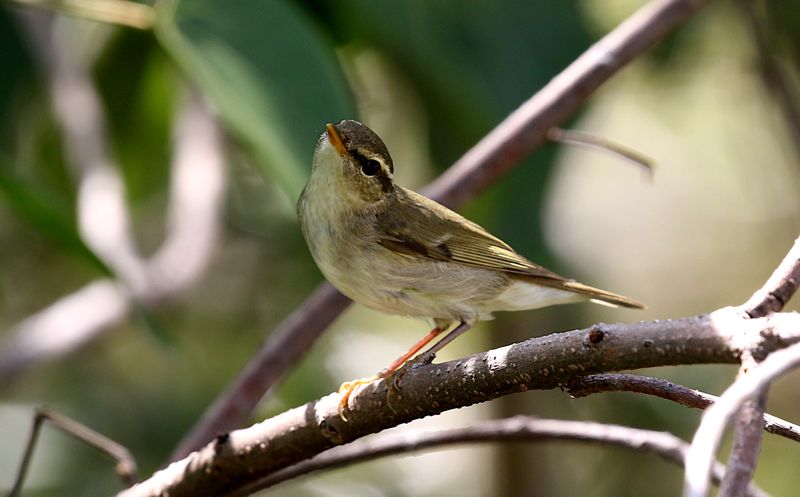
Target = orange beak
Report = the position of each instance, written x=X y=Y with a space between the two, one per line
x=336 y=140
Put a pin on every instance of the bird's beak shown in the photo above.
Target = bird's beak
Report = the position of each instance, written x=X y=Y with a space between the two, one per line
x=336 y=140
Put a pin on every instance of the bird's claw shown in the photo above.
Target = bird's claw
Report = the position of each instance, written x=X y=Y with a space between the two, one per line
x=347 y=389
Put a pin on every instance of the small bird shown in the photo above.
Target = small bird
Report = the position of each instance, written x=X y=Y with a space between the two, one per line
x=398 y=252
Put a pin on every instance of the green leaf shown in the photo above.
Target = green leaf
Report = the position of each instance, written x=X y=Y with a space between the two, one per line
x=37 y=209
x=274 y=79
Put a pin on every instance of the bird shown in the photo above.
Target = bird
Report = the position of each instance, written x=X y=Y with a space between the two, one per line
x=398 y=252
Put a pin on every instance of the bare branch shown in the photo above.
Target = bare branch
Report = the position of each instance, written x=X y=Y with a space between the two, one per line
x=622 y=382
x=520 y=428
x=518 y=135
x=243 y=456
x=746 y=448
x=589 y=140
x=749 y=423
x=126 y=464
x=708 y=436
x=779 y=288
x=526 y=128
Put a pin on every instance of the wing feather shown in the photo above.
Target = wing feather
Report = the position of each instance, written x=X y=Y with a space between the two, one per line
x=443 y=235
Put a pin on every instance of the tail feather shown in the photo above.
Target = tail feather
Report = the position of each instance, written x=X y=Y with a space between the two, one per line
x=602 y=296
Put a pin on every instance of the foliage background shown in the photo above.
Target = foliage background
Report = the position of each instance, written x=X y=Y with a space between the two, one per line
x=431 y=78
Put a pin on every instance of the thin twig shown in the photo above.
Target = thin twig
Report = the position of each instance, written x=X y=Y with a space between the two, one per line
x=504 y=147
x=708 y=436
x=624 y=382
x=520 y=428
x=779 y=288
x=589 y=140
x=526 y=128
x=126 y=464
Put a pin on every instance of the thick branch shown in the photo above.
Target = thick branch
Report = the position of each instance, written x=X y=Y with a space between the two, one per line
x=514 y=138
x=243 y=456
x=520 y=428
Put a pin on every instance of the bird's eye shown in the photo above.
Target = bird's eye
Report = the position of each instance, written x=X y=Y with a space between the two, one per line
x=369 y=167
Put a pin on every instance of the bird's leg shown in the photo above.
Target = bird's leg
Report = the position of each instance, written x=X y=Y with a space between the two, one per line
x=426 y=357
x=347 y=388
x=429 y=355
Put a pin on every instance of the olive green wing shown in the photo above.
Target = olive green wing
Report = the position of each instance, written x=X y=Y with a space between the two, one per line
x=417 y=226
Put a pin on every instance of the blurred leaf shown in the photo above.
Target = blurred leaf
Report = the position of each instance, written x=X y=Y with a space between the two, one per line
x=151 y=321
x=17 y=70
x=49 y=217
x=138 y=92
x=783 y=20
x=268 y=70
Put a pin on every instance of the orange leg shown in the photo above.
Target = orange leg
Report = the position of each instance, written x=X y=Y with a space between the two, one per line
x=347 y=388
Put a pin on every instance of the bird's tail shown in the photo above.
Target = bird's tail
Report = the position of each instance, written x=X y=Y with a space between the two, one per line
x=602 y=296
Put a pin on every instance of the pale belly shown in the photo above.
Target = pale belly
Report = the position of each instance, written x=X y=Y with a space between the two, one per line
x=399 y=284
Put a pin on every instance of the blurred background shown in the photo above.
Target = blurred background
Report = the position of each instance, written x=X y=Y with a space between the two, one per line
x=112 y=171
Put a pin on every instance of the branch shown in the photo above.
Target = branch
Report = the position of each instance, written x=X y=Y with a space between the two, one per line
x=779 y=288
x=244 y=456
x=746 y=447
x=126 y=464
x=520 y=428
x=589 y=140
x=668 y=390
x=708 y=436
x=749 y=424
x=517 y=136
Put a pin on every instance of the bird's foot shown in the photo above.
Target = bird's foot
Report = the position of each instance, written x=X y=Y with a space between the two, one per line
x=393 y=378
x=348 y=388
